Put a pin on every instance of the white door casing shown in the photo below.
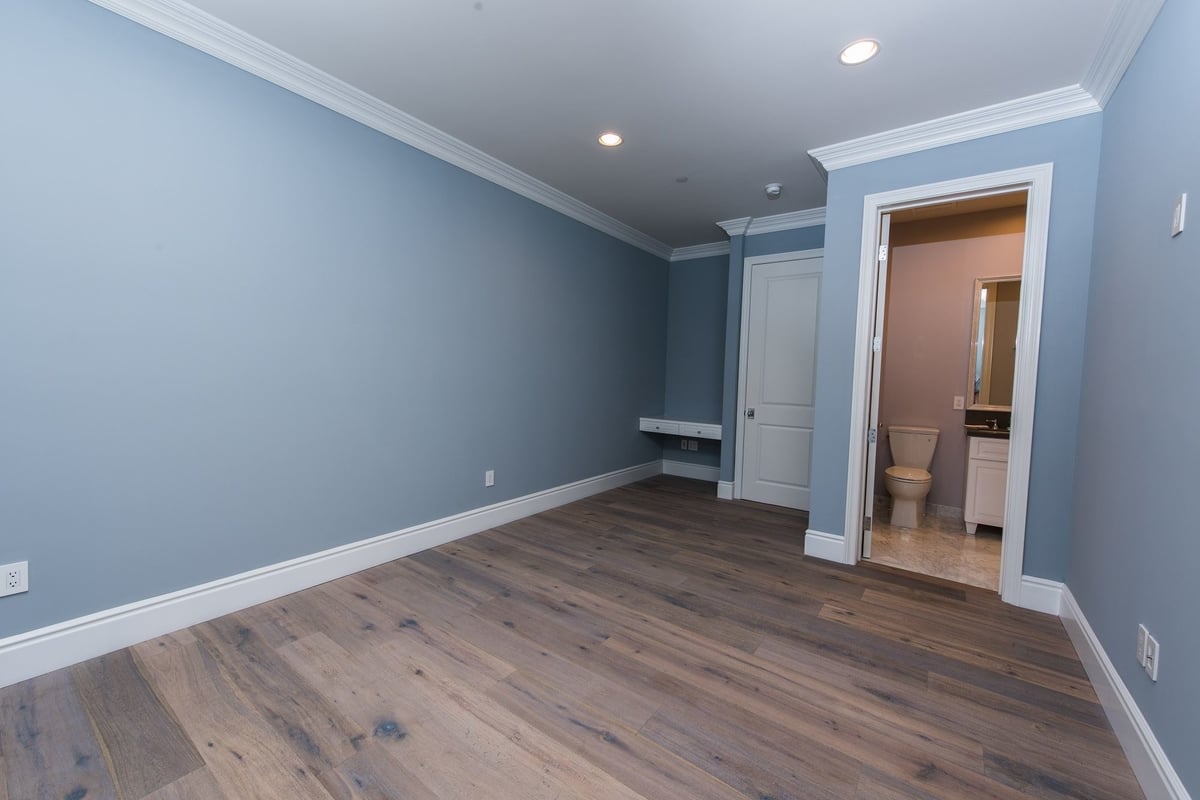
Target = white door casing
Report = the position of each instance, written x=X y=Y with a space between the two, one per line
x=1038 y=181
x=777 y=378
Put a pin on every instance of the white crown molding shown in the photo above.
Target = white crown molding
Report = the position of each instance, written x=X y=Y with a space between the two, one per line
x=1011 y=115
x=736 y=227
x=1149 y=762
x=37 y=652
x=195 y=28
x=700 y=251
x=1127 y=28
x=790 y=221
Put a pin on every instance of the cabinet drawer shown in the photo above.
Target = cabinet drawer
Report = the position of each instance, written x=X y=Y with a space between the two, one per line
x=700 y=430
x=658 y=426
x=989 y=449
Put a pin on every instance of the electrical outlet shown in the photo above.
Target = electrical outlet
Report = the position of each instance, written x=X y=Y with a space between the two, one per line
x=693 y=445
x=1141 y=645
x=489 y=478
x=960 y=402
x=1152 y=657
x=15 y=578
x=683 y=444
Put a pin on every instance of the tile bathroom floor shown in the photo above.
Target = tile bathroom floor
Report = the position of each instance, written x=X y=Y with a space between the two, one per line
x=940 y=547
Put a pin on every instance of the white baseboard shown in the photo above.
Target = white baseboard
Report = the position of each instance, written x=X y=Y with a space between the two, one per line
x=699 y=472
x=37 y=652
x=1150 y=764
x=825 y=546
x=725 y=490
x=1039 y=594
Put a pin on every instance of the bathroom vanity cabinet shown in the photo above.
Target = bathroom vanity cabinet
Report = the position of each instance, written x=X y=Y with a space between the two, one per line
x=987 y=480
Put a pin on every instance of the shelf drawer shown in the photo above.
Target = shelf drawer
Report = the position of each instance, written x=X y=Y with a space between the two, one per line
x=658 y=426
x=700 y=430
x=989 y=449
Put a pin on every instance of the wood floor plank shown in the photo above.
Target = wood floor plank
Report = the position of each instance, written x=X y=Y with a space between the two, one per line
x=319 y=735
x=740 y=757
x=870 y=733
x=1024 y=732
x=605 y=741
x=647 y=642
x=373 y=774
x=892 y=626
x=369 y=690
x=623 y=697
x=244 y=754
x=198 y=785
x=394 y=620
x=141 y=740
x=50 y=750
x=540 y=751
x=435 y=734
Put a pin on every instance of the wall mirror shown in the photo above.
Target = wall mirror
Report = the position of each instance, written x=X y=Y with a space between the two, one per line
x=995 y=307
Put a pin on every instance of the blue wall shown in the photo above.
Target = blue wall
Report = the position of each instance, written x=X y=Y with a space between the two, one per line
x=1134 y=546
x=695 y=338
x=1074 y=147
x=236 y=327
x=768 y=244
x=695 y=351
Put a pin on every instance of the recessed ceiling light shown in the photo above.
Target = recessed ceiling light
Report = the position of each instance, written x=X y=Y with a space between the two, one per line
x=858 y=52
x=610 y=139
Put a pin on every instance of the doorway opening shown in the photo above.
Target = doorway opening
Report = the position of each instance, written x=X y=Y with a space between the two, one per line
x=865 y=426
x=941 y=395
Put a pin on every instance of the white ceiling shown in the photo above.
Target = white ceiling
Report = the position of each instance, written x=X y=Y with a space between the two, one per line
x=730 y=95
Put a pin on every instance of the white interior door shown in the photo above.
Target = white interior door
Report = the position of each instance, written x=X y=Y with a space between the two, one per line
x=873 y=433
x=778 y=388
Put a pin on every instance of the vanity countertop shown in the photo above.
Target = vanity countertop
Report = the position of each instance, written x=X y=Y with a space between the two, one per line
x=986 y=431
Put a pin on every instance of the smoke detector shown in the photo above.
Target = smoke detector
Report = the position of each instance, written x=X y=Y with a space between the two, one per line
x=773 y=190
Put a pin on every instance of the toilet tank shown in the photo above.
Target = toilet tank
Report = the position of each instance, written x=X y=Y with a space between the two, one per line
x=912 y=446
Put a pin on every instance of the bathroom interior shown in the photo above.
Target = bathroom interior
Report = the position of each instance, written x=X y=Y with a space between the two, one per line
x=945 y=388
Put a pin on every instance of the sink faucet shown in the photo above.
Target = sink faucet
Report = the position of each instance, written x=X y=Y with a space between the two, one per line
x=995 y=423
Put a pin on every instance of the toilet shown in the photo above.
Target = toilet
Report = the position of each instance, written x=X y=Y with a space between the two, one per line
x=909 y=481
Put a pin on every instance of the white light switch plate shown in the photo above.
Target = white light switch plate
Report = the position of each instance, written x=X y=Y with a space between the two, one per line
x=1152 y=655
x=960 y=402
x=1180 y=217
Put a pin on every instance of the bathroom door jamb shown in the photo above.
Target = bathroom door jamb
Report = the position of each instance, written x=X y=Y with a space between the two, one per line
x=873 y=433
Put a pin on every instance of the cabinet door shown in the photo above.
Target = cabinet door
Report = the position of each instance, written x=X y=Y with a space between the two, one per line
x=986 y=483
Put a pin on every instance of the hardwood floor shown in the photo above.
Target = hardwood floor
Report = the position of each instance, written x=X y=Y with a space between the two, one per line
x=651 y=642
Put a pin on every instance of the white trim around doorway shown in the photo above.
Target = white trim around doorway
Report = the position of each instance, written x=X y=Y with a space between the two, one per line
x=1037 y=180
x=743 y=348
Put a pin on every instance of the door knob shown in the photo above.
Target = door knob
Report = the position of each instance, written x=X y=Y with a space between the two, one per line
x=749 y=413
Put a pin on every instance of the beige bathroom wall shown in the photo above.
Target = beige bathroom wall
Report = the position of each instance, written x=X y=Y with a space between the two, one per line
x=931 y=280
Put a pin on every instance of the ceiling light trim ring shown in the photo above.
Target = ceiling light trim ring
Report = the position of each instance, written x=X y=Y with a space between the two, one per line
x=858 y=52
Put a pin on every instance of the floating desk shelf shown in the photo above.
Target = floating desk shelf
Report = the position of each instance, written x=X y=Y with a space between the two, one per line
x=680 y=427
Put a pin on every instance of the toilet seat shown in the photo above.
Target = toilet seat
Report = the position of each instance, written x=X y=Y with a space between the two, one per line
x=907 y=474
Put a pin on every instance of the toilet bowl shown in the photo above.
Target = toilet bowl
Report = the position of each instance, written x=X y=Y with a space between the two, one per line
x=909 y=481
